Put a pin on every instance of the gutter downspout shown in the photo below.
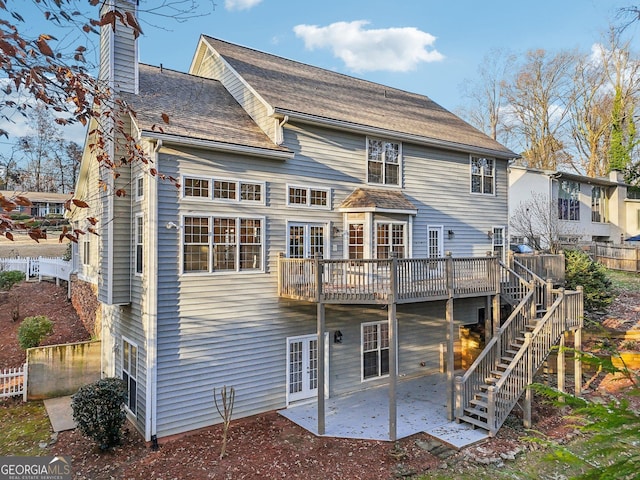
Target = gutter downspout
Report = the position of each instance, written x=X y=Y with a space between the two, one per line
x=280 y=133
x=151 y=272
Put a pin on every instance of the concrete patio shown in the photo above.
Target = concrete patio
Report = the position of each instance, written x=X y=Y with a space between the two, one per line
x=421 y=407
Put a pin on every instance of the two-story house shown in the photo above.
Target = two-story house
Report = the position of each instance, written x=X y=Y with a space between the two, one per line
x=582 y=209
x=303 y=254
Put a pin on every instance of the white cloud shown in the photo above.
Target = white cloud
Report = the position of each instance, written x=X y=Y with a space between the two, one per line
x=240 y=4
x=393 y=49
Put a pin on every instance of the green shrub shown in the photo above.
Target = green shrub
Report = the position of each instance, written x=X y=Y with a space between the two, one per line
x=19 y=216
x=98 y=411
x=9 y=278
x=581 y=270
x=32 y=330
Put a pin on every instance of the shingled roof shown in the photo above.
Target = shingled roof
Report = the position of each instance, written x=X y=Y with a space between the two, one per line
x=290 y=86
x=198 y=108
x=368 y=199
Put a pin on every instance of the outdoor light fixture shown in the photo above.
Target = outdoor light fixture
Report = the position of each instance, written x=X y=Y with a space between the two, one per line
x=489 y=234
x=451 y=234
x=337 y=336
x=171 y=225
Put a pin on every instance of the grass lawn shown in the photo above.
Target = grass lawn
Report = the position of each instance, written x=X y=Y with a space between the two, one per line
x=622 y=281
x=24 y=427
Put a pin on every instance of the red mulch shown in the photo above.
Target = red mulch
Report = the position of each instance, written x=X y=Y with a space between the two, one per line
x=31 y=299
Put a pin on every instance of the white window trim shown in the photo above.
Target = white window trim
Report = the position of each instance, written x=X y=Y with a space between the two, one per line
x=362 y=325
x=210 y=261
x=138 y=217
x=495 y=182
x=400 y=164
x=308 y=188
x=604 y=206
x=440 y=230
x=189 y=197
x=134 y=344
x=307 y=225
x=405 y=234
x=139 y=178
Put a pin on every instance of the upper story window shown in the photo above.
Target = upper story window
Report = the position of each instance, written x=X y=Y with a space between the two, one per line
x=483 y=176
x=196 y=187
x=217 y=244
x=139 y=187
x=139 y=243
x=599 y=205
x=383 y=162
x=315 y=197
x=568 y=200
x=224 y=189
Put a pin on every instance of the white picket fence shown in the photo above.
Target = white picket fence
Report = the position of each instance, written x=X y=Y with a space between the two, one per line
x=13 y=382
x=38 y=267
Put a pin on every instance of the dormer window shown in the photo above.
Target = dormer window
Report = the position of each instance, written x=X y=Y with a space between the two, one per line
x=383 y=162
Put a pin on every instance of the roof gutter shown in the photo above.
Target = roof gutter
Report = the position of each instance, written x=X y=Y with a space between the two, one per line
x=368 y=130
x=221 y=146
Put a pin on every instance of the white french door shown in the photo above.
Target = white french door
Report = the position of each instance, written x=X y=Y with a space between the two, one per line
x=302 y=367
x=434 y=241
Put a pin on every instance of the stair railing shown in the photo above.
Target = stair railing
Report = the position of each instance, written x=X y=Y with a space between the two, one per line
x=469 y=384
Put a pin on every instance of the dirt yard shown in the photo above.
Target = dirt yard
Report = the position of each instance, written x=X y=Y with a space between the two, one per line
x=269 y=446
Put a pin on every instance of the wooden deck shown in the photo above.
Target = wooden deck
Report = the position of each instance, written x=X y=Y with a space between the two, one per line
x=387 y=281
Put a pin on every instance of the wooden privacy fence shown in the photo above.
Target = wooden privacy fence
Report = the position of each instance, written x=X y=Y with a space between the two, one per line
x=13 y=382
x=618 y=257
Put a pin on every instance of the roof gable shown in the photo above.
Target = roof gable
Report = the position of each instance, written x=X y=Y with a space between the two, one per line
x=197 y=108
x=294 y=87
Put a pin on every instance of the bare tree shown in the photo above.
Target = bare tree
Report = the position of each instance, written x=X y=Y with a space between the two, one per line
x=539 y=100
x=54 y=74
x=485 y=96
x=538 y=222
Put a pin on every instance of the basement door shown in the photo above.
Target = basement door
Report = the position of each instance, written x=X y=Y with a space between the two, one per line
x=302 y=367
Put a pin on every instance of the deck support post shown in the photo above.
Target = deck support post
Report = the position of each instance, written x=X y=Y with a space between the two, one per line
x=393 y=368
x=528 y=393
x=561 y=344
x=488 y=321
x=450 y=341
x=577 y=363
x=321 y=373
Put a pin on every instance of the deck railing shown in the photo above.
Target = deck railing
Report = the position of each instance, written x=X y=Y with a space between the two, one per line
x=547 y=266
x=375 y=281
x=566 y=312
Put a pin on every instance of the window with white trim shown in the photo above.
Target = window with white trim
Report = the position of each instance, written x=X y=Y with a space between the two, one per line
x=483 y=175
x=313 y=197
x=599 y=205
x=383 y=162
x=196 y=187
x=139 y=187
x=306 y=240
x=390 y=238
x=568 y=200
x=375 y=349
x=86 y=250
x=222 y=244
x=356 y=241
x=139 y=243
x=130 y=373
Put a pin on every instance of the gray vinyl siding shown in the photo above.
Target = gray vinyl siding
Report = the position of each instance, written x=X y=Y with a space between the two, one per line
x=123 y=71
x=125 y=322
x=214 y=67
x=231 y=328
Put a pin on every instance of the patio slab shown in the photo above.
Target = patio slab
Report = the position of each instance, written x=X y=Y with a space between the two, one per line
x=60 y=413
x=421 y=407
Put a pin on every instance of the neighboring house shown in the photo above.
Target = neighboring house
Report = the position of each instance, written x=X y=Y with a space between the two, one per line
x=585 y=209
x=304 y=194
x=42 y=203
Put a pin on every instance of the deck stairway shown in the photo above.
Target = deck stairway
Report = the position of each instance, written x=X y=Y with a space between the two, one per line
x=490 y=388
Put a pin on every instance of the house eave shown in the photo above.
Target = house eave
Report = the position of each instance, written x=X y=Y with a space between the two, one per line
x=369 y=130
x=378 y=210
x=168 y=139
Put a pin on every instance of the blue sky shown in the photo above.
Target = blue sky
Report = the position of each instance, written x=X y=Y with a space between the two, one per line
x=424 y=46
